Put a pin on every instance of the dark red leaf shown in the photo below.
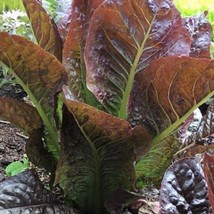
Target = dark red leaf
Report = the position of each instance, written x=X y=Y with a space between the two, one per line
x=24 y=193
x=208 y=167
x=81 y=11
x=168 y=91
x=44 y=28
x=202 y=139
x=184 y=189
x=201 y=33
x=97 y=155
x=63 y=25
x=21 y=114
x=123 y=38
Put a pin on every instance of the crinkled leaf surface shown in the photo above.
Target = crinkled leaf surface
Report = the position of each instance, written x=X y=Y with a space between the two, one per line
x=205 y=132
x=63 y=25
x=72 y=59
x=184 y=189
x=21 y=114
x=96 y=158
x=168 y=91
x=124 y=37
x=24 y=193
x=151 y=168
x=39 y=73
x=201 y=33
x=62 y=8
x=203 y=139
x=81 y=11
x=44 y=28
x=165 y=94
x=208 y=165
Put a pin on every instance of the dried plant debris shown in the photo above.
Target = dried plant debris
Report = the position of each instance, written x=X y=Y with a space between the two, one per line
x=184 y=189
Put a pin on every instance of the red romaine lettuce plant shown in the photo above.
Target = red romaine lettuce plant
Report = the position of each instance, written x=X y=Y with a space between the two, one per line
x=130 y=84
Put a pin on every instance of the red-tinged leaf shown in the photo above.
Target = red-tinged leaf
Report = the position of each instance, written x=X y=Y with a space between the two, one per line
x=38 y=153
x=184 y=189
x=124 y=37
x=205 y=132
x=27 y=118
x=149 y=205
x=97 y=156
x=168 y=91
x=203 y=139
x=81 y=11
x=72 y=59
x=39 y=73
x=151 y=167
x=44 y=28
x=201 y=33
x=197 y=149
x=63 y=25
x=21 y=114
x=24 y=193
x=208 y=166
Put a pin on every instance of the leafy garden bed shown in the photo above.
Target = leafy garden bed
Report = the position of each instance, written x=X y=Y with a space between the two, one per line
x=112 y=88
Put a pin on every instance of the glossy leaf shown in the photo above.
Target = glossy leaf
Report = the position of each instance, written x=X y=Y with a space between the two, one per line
x=62 y=7
x=63 y=25
x=164 y=96
x=203 y=139
x=184 y=189
x=72 y=59
x=168 y=91
x=124 y=37
x=208 y=165
x=44 y=28
x=189 y=127
x=24 y=193
x=205 y=132
x=73 y=50
x=21 y=114
x=39 y=73
x=201 y=33
x=97 y=156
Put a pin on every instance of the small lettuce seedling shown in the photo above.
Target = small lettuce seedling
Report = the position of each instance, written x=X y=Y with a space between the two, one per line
x=17 y=167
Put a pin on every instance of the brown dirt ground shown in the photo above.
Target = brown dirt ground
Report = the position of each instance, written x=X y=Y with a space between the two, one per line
x=12 y=143
x=12 y=139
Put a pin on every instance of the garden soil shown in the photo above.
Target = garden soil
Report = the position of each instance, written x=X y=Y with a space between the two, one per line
x=12 y=140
